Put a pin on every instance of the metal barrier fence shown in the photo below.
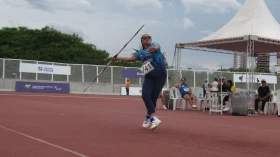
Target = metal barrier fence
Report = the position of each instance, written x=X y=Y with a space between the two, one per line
x=9 y=69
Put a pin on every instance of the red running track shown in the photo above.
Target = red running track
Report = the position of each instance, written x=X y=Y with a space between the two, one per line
x=60 y=125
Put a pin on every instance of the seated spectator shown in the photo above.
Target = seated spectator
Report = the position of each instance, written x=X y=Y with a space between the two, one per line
x=263 y=95
x=186 y=92
x=230 y=89
x=225 y=87
x=231 y=86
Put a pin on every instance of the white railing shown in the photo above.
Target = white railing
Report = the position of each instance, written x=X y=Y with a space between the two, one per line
x=9 y=69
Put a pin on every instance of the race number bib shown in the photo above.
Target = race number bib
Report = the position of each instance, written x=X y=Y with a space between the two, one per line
x=147 y=67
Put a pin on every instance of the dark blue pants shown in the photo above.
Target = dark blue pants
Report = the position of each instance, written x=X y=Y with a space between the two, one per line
x=151 y=89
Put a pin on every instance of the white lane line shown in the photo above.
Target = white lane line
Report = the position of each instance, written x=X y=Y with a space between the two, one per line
x=45 y=142
x=64 y=96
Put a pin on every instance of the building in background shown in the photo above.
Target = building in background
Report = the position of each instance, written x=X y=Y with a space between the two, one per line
x=278 y=58
x=239 y=60
x=263 y=61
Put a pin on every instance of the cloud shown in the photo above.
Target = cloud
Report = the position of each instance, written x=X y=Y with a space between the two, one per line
x=107 y=30
x=211 y=6
x=200 y=60
x=150 y=22
x=143 y=4
x=58 y=5
x=68 y=29
x=111 y=25
x=188 y=23
x=18 y=3
x=206 y=32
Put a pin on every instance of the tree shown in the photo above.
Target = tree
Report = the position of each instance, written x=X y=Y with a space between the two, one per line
x=244 y=70
x=48 y=44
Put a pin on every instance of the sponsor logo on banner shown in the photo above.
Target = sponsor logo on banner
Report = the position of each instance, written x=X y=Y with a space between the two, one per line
x=44 y=69
x=47 y=69
x=42 y=87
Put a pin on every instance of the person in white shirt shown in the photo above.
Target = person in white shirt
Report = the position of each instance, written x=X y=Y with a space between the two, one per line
x=214 y=85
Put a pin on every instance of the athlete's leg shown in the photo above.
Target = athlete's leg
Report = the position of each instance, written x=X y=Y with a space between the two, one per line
x=147 y=89
x=158 y=85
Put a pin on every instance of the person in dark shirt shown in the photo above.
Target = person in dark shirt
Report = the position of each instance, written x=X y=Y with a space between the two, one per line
x=225 y=87
x=263 y=95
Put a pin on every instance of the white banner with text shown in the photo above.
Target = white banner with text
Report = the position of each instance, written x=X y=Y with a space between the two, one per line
x=44 y=69
x=256 y=78
x=135 y=91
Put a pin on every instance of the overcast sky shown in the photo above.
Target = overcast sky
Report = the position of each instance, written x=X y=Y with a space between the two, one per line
x=109 y=24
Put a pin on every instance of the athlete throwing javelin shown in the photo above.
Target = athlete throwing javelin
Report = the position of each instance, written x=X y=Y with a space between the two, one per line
x=154 y=67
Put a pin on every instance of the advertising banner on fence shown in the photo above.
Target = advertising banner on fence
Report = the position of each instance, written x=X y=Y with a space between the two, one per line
x=243 y=78
x=44 y=69
x=42 y=87
x=135 y=91
x=133 y=73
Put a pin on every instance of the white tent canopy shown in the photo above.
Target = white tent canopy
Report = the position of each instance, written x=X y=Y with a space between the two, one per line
x=253 y=22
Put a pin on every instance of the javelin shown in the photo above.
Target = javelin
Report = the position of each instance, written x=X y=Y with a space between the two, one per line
x=112 y=59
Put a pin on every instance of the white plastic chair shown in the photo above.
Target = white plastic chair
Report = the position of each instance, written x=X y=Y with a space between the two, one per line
x=215 y=105
x=174 y=96
x=197 y=91
x=275 y=101
x=206 y=99
x=226 y=107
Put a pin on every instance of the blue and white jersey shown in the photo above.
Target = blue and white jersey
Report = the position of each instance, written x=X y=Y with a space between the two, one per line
x=184 y=89
x=155 y=58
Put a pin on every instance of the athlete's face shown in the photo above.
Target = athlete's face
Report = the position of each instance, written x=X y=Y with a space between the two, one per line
x=146 y=39
x=183 y=81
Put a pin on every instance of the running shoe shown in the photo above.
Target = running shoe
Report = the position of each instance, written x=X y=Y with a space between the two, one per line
x=155 y=122
x=146 y=122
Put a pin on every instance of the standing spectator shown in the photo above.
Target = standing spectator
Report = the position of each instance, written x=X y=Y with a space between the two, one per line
x=127 y=85
x=214 y=85
x=263 y=95
x=204 y=86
